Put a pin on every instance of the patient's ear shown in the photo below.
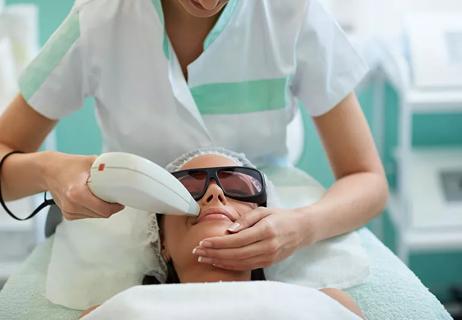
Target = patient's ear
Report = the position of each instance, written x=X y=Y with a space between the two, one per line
x=164 y=251
x=163 y=248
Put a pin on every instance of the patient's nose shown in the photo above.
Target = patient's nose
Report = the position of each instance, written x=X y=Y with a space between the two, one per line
x=213 y=193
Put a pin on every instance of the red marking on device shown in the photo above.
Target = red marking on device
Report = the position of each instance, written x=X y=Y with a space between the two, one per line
x=101 y=167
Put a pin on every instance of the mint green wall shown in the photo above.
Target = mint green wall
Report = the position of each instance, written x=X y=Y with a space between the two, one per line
x=79 y=134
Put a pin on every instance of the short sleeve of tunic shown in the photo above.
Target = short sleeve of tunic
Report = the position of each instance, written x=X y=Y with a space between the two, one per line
x=328 y=66
x=54 y=84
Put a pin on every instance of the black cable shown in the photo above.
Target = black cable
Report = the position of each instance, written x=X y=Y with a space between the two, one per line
x=45 y=203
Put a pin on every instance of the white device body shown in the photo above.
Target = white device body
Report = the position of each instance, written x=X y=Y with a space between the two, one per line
x=138 y=183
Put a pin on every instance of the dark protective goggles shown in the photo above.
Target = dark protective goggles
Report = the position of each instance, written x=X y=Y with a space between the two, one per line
x=239 y=183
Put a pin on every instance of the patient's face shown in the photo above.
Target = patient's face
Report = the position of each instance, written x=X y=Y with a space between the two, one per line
x=181 y=234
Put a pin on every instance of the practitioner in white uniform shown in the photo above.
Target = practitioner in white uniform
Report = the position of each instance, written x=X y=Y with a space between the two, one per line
x=173 y=75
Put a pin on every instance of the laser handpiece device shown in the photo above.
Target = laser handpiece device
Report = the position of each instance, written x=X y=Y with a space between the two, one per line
x=136 y=182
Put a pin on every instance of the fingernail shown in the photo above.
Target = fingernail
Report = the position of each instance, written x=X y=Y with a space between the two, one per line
x=205 y=244
x=199 y=252
x=234 y=227
x=204 y=260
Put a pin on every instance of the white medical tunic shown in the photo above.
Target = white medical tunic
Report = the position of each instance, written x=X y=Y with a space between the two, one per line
x=261 y=58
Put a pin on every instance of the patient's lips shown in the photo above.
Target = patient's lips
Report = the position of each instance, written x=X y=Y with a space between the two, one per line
x=215 y=214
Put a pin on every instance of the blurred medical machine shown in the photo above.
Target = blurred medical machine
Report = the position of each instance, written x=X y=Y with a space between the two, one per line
x=416 y=46
x=435 y=44
x=426 y=71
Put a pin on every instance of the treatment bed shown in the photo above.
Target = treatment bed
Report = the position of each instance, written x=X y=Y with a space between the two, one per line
x=392 y=291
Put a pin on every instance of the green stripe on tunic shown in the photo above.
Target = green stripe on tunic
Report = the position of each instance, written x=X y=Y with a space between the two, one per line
x=241 y=97
x=50 y=56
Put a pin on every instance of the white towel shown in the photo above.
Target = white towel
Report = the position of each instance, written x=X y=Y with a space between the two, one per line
x=93 y=259
x=222 y=300
x=339 y=262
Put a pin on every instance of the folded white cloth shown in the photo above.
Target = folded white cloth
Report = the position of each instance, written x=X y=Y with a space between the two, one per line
x=339 y=262
x=222 y=300
x=93 y=259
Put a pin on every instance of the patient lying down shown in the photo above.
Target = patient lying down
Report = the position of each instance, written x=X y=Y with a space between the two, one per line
x=180 y=234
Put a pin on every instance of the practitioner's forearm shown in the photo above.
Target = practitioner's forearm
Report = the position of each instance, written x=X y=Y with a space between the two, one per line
x=22 y=174
x=349 y=204
x=23 y=129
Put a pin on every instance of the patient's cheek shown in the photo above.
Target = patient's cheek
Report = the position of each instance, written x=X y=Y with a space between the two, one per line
x=204 y=230
x=182 y=252
x=182 y=237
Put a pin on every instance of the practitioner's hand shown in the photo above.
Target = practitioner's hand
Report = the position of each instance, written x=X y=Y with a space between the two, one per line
x=265 y=236
x=66 y=178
